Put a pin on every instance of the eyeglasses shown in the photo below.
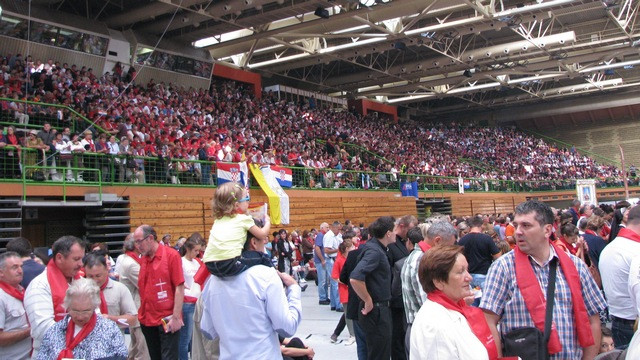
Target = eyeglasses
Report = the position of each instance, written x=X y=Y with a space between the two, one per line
x=81 y=312
x=141 y=240
x=248 y=198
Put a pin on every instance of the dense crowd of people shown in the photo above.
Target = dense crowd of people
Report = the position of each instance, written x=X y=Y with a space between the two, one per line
x=447 y=288
x=228 y=123
x=469 y=285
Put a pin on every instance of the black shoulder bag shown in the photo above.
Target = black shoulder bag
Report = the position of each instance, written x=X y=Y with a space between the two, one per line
x=529 y=343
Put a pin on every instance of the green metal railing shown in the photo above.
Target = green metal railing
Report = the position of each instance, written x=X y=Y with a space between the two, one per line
x=39 y=113
x=484 y=167
x=157 y=171
x=38 y=175
x=106 y=169
x=358 y=150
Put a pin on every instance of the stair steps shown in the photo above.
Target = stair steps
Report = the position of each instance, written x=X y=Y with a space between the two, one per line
x=10 y=220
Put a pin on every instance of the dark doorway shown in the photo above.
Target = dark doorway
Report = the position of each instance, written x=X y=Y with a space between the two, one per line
x=44 y=225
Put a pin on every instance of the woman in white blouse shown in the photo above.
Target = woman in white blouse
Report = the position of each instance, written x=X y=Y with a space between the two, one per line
x=445 y=327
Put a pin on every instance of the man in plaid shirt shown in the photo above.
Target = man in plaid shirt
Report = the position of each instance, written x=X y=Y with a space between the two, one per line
x=503 y=301
x=440 y=232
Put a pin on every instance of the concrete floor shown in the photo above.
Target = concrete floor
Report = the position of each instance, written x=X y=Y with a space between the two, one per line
x=318 y=323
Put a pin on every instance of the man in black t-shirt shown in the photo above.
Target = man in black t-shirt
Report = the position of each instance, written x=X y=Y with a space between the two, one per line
x=371 y=281
x=480 y=251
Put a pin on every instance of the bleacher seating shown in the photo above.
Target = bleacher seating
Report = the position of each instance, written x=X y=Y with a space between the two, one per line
x=226 y=123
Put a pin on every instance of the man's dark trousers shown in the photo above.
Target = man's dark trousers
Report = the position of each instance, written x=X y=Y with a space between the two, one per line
x=377 y=329
x=399 y=321
x=162 y=346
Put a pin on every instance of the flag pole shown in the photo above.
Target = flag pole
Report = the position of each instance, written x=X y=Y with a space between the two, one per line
x=624 y=174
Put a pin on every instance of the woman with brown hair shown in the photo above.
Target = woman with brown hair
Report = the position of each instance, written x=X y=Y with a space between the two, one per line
x=446 y=327
x=594 y=241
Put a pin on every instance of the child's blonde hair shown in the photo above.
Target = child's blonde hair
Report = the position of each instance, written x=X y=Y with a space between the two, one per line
x=225 y=199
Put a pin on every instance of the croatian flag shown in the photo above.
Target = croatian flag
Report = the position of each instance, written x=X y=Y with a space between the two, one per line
x=283 y=175
x=467 y=184
x=229 y=172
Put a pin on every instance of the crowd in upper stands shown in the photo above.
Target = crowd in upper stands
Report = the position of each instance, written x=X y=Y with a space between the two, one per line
x=232 y=125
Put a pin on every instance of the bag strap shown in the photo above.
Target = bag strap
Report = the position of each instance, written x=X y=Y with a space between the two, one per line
x=551 y=288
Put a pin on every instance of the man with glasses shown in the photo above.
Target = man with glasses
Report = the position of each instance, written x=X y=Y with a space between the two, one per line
x=161 y=284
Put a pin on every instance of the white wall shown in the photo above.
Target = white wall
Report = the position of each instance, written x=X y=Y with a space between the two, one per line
x=119 y=50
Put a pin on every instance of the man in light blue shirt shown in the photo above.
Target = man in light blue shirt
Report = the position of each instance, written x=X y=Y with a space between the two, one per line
x=249 y=310
x=319 y=259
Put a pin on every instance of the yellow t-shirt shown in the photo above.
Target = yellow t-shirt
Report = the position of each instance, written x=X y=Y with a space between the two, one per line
x=227 y=237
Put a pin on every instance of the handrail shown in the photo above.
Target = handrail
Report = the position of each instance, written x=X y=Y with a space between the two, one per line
x=361 y=148
x=30 y=102
x=145 y=171
x=26 y=181
x=581 y=150
x=477 y=164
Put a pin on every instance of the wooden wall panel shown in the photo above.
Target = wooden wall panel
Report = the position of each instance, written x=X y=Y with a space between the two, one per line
x=461 y=207
x=485 y=203
x=183 y=215
x=483 y=206
x=175 y=215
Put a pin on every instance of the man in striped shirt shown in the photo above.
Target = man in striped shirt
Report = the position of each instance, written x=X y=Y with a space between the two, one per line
x=440 y=232
x=45 y=294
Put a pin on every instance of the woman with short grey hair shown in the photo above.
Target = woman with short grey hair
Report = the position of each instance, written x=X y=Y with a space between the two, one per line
x=78 y=289
x=83 y=334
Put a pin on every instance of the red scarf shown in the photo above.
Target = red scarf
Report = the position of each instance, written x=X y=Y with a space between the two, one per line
x=59 y=286
x=424 y=246
x=572 y=249
x=103 y=302
x=536 y=303
x=71 y=341
x=13 y=140
x=134 y=256
x=591 y=232
x=201 y=276
x=629 y=234
x=475 y=318
x=12 y=291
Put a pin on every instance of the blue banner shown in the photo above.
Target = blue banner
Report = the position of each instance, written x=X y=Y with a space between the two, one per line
x=409 y=189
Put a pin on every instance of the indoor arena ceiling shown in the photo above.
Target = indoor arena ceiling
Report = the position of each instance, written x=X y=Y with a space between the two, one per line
x=432 y=56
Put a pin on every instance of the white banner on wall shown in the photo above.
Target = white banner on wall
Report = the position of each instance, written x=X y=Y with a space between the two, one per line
x=586 y=190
